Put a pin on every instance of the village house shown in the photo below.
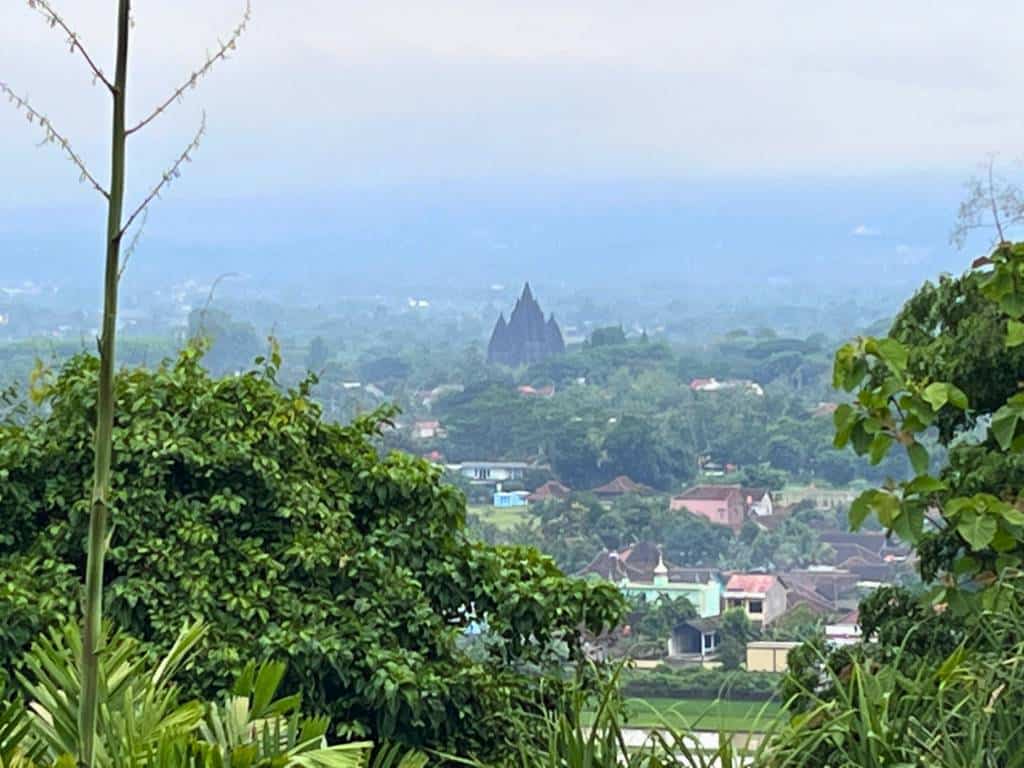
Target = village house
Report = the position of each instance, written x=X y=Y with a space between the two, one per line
x=427 y=430
x=721 y=504
x=491 y=472
x=825 y=590
x=845 y=631
x=729 y=505
x=621 y=486
x=762 y=596
x=769 y=655
x=641 y=571
x=552 y=489
x=506 y=499
x=759 y=502
x=694 y=639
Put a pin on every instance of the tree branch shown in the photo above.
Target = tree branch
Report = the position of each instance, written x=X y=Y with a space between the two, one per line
x=992 y=199
x=54 y=20
x=172 y=173
x=130 y=250
x=221 y=54
x=51 y=136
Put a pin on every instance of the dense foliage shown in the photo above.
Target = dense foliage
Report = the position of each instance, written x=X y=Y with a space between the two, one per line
x=626 y=407
x=939 y=681
x=699 y=683
x=235 y=503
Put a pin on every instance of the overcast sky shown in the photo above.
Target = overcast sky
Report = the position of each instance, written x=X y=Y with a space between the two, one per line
x=342 y=94
x=326 y=90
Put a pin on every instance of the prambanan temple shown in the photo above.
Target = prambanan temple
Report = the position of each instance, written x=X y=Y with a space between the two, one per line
x=526 y=337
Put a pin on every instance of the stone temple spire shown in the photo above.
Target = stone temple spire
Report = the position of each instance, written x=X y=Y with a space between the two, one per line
x=527 y=337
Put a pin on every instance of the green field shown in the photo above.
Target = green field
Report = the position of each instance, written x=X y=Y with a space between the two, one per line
x=703 y=715
x=504 y=518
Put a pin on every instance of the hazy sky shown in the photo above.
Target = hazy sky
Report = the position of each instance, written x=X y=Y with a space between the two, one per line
x=326 y=96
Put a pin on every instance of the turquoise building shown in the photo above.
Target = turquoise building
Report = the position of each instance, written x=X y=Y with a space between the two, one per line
x=640 y=571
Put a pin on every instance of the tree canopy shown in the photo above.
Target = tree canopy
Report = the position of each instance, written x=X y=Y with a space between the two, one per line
x=235 y=503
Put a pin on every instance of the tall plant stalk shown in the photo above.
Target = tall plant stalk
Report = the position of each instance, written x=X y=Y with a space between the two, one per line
x=118 y=225
x=100 y=511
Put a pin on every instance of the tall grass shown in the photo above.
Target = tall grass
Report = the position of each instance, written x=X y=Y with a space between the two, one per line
x=962 y=710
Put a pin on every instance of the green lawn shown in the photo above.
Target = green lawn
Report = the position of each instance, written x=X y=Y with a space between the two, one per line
x=504 y=518
x=703 y=715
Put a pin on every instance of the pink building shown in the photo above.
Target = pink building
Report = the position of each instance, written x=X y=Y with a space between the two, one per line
x=721 y=504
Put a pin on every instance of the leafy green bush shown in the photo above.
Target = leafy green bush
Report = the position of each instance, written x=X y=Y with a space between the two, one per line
x=697 y=683
x=294 y=540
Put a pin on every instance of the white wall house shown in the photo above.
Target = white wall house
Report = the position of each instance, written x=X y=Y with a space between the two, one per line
x=490 y=472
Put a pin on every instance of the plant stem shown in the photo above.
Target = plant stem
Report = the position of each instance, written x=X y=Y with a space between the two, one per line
x=100 y=513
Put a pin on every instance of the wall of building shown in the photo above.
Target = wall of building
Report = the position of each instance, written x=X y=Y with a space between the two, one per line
x=767 y=656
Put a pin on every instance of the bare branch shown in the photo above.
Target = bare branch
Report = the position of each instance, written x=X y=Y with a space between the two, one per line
x=201 y=325
x=51 y=136
x=130 y=250
x=992 y=203
x=170 y=175
x=992 y=198
x=54 y=20
x=222 y=54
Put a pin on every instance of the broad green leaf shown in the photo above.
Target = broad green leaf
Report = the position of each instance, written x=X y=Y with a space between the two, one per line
x=936 y=394
x=886 y=506
x=977 y=530
x=1014 y=333
x=860 y=509
x=918 y=457
x=1004 y=426
x=1012 y=515
x=908 y=524
x=893 y=353
x=957 y=397
x=1003 y=541
x=879 y=447
x=925 y=484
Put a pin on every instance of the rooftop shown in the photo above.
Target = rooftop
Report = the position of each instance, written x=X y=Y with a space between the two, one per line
x=621 y=485
x=709 y=492
x=754 y=583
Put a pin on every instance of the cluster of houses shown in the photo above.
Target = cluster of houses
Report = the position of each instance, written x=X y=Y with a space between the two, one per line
x=830 y=592
x=497 y=474
x=857 y=563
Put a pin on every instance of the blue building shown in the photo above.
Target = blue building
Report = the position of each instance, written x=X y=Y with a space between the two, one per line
x=504 y=499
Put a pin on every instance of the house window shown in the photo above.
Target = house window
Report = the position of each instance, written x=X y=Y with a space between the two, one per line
x=756 y=606
x=735 y=603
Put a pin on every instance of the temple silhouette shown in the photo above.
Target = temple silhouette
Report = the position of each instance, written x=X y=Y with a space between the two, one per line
x=527 y=337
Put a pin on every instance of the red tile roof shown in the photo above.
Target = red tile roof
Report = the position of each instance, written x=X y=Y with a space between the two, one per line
x=550 y=489
x=621 y=485
x=755 y=583
x=709 y=492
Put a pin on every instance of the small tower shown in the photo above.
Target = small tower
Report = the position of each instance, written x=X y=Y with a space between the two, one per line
x=660 y=572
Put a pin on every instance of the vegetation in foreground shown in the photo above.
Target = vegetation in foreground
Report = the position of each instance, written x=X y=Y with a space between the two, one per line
x=235 y=504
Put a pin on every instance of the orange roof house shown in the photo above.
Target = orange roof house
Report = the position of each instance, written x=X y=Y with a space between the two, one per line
x=552 y=489
x=621 y=486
